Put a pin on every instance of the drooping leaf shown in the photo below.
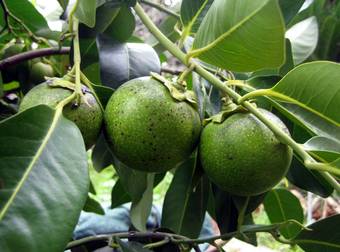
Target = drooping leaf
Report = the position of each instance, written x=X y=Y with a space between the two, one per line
x=303 y=37
x=324 y=235
x=185 y=202
x=93 y=206
x=104 y=93
x=63 y=3
x=307 y=179
x=120 y=62
x=241 y=36
x=281 y=206
x=24 y=11
x=101 y=154
x=290 y=8
x=328 y=33
x=312 y=87
x=192 y=14
x=140 y=209
x=43 y=186
x=86 y=12
x=122 y=26
x=118 y=195
x=88 y=52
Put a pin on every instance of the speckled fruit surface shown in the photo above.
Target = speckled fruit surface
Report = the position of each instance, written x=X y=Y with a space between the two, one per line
x=88 y=117
x=148 y=129
x=242 y=155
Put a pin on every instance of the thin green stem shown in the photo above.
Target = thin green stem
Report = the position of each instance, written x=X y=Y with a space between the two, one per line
x=323 y=167
x=76 y=57
x=161 y=8
x=70 y=16
x=174 y=50
x=241 y=214
x=157 y=244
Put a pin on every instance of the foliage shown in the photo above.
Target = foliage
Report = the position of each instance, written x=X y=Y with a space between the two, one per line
x=236 y=54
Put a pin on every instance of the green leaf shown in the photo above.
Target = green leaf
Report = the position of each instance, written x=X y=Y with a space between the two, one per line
x=307 y=179
x=43 y=186
x=118 y=195
x=303 y=37
x=185 y=202
x=324 y=148
x=63 y=3
x=86 y=12
x=241 y=36
x=24 y=11
x=323 y=236
x=327 y=36
x=101 y=154
x=120 y=62
x=290 y=8
x=122 y=26
x=312 y=87
x=104 y=93
x=281 y=205
x=93 y=206
x=192 y=14
x=141 y=209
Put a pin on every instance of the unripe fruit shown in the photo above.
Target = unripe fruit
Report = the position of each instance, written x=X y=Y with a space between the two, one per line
x=148 y=129
x=88 y=117
x=242 y=155
x=39 y=71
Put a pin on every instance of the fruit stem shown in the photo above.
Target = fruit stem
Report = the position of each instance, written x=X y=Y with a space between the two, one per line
x=76 y=58
x=161 y=8
x=175 y=51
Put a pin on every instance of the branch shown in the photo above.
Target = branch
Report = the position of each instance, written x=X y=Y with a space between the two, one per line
x=174 y=50
x=161 y=8
x=16 y=59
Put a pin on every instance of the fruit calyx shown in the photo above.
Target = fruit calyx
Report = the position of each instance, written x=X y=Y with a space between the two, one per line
x=177 y=91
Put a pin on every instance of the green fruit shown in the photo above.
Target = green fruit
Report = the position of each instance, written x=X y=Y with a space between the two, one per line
x=39 y=71
x=242 y=156
x=88 y=117
x=148 y=129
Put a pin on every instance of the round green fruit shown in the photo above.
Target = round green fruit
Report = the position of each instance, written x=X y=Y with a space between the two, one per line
x=242 y=156
x=11 y=73
x=39 y=71
x=148 y=129
x=88 y=117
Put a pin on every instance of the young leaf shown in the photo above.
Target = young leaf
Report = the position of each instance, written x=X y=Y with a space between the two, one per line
x=185 y=202
x=120 y=62
x=24 y=11
x=118 y=195
x=241 y=36
x=86 y=12
x=93 y=206
x=281 y=205
x=323 y=236
x=43 y=186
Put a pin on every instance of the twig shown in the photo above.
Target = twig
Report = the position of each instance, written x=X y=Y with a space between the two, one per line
x=16 y=59
x=161 y=8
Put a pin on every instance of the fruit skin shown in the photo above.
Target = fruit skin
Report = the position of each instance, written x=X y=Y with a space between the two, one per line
x=148 y=130
x=88 y=118
x=38 y=72
x=242 y=156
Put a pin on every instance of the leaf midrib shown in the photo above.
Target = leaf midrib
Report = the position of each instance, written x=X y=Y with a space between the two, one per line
x=199 y=51
x=55 y=120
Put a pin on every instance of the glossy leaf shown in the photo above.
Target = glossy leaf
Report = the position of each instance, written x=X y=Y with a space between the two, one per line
x=326 y=149
x=86 y=12
x=192 y=14
x=241 y=36
x=122 y=26
x=24 y=11
x=308 y=180
x=43 y=187
x=185 y=202
x=120 y=62
x=290 y=8
x=281 y=206
x=312 y=87
x=303 y=37
x=324 y=235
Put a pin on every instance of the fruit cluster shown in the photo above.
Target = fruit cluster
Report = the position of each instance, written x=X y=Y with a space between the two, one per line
x=149 y=130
